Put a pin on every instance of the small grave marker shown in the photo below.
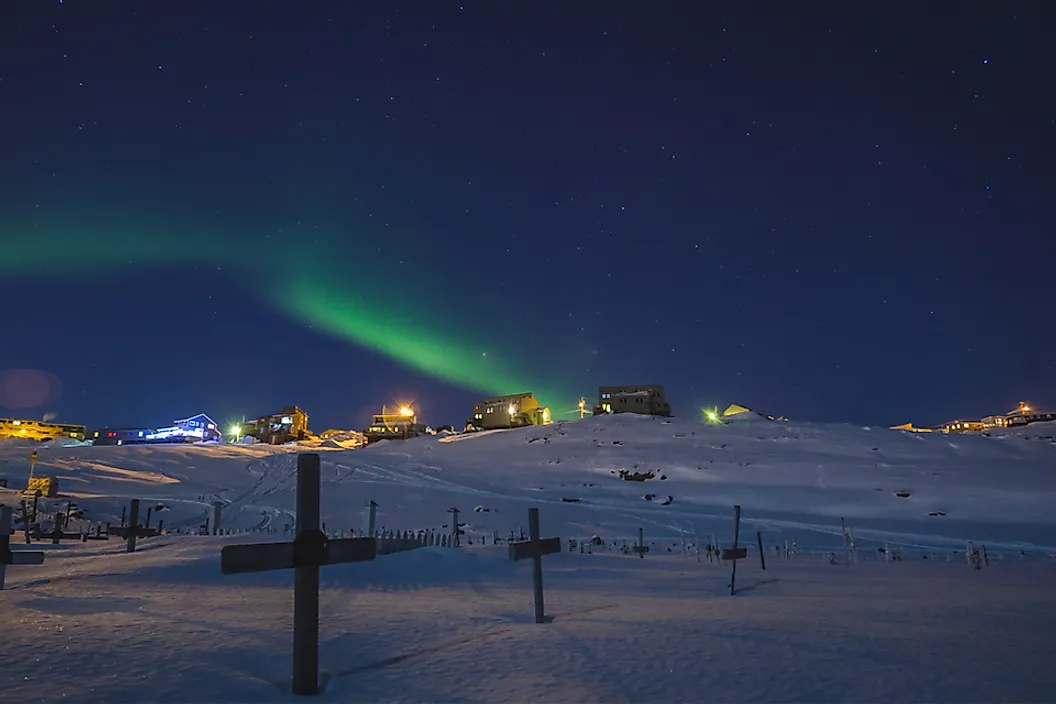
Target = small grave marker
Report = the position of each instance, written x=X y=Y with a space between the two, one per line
x=7 y=557
x=309 y=551
x=641 y=548
x=370 y=518
x=735 y=553
x=534 y=548
x=133 y=526
x=214 y=521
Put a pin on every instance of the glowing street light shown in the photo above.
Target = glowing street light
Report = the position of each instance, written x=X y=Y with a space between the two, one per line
x=512 y=409
x=712 y=415
x=406 y=412
x=236 y=431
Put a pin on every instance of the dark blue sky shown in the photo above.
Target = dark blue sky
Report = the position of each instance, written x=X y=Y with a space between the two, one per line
x=822 y=210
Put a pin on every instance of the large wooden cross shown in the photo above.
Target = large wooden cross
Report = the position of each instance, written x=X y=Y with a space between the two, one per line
x=309 y=551
x=534 y=548
x=7 y=556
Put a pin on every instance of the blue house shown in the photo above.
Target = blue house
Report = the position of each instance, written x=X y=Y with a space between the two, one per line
x=199 y=428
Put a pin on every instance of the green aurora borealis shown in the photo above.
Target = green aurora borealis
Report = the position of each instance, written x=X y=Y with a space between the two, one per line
x=328 y=286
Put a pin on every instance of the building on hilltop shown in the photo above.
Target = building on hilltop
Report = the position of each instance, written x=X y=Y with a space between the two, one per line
x=509 y=411
x=646 y=400
x=736 y=410
x=197 y=428
x=400 y=424
x=963 y=426
x=290 y=423
x=910 y=428
x=1025 y=414
x=39 y=430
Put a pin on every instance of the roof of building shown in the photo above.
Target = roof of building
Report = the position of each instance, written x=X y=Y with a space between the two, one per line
x=194 y=417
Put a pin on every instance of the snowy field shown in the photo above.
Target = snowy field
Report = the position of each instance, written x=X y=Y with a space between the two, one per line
x=96 y=625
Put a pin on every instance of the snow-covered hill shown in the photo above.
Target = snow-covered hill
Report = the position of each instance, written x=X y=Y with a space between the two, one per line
x=439 y=624
x=793 y=480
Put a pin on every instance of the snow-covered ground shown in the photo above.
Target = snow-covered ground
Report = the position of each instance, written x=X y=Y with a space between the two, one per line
x=455 y=625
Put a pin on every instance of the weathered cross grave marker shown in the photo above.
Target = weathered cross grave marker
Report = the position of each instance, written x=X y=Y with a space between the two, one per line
x=7 y=557
x=309 y=551
x=641 y=548
x=213 y=520
x=534 y=548
x=133 y=526
x=735 y=553
x=456 y=529
x=370 y=518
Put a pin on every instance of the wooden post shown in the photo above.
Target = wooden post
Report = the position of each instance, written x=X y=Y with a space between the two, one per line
x=736 y=537
x=455 y=541
x=7 y=557
x=306 y=578
x=133 y=526
x=640 y=548
x=535 y=547
x=309 y=551
x=123 y=517
x=25 y=521
x=149 y=509
x=214 y=529
x=370 y=518
x=846 y=548
x=537 y=563
x=762 y=555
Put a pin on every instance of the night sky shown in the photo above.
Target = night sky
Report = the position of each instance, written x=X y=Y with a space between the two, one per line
x=828 y=210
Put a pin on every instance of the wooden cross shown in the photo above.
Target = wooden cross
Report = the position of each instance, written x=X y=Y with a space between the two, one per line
x=534 y=548
x=735 y=553
x=641 y=548
x=309 y=551
x=7 y=557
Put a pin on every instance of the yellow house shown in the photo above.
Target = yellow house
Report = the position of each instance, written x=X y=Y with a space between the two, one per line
x=963 y=426
x=38 y=430
x=910 y=428
x=735 y=409
x=510 y=411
